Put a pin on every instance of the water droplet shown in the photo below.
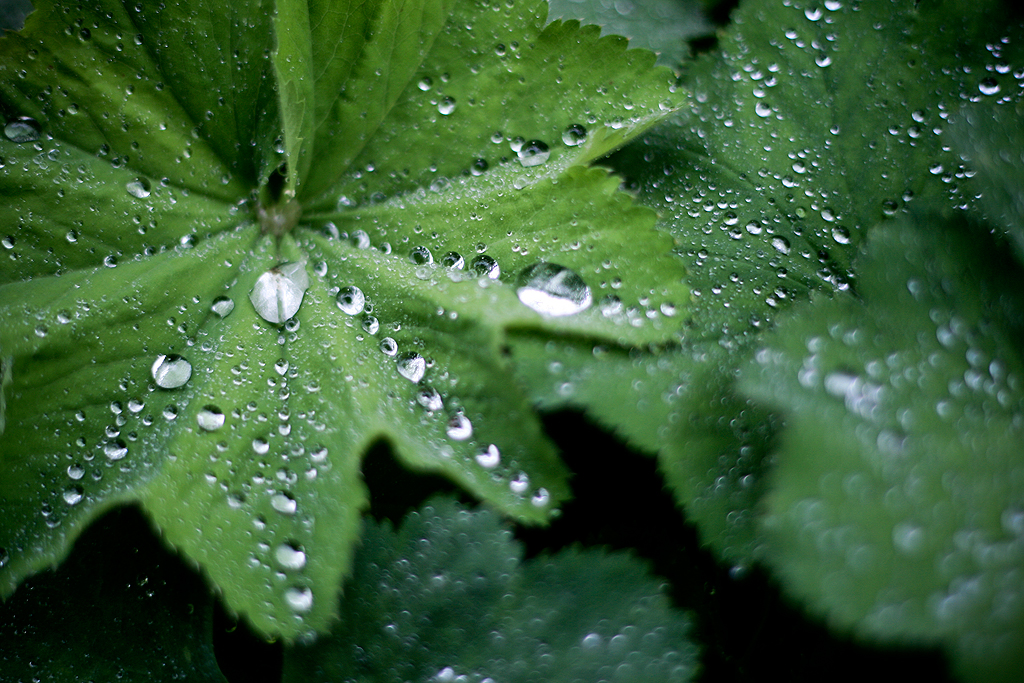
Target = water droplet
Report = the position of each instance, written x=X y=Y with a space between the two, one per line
x=554 y=290
x=425 y=83
x=446 y=106
x=138 y=188
x=171 y=371
x=421 y=256
x=988 y=86
x=781 y=245
x=210 y=418
x=489 y=458
x=73 y=495
x=485 y=266
x=370 y=324
x=22 y=129
x=284 y=503
x=351 y=300
x=453 y=260
x=574 y=135
x=841 y=234
x=260 y=446
x=459 y=427
x=388 y=346
x=299 y=599
x=290 y=556
x=541 y=498
x=115 y=450
x=520 y=483
x=222 y=306
x=4 y=557
x=278 y=292
x=412 y=366
x=430 y=399
x=533 y=153
x=76 y=472
x=908 y=538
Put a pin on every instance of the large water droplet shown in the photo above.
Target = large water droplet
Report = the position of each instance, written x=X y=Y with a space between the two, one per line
x=388 y=346
x=138 y=188
x=429 y=398
x=73 y=495
x=459 y=427
x=370 y=324
x=22 y=129
x=115 y=450
x=412 y=366
x=290 y=556
x=210 y=418
x=421 y=256
x=284 y=503
x=533 y=153
x=574 y=135
x=171 y=371
x=553 y=290
x=446 y=106
x=485 y=266
x=453 y=260
x=278 y=293
x=299 y=599
x=489 y=458
x=222 y=306
x=351 y=300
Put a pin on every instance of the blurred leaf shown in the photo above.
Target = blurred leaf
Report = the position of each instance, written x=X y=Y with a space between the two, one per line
x=809 y=124
x=663 y=26
x=447 y=598
x=896 y=500
x=112 y=612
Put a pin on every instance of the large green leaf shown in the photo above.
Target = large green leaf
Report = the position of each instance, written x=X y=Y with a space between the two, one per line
x=448 y=598
x=182 y=328
x=768 y=183
x=895 y=508
x=113 y=611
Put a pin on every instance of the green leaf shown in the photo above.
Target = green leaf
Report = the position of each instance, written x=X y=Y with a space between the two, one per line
x=990 y=138
x=895 y=509
x=663 y=26
x=769 y=182
x=198 y=341
x=448 y=596
x=111 y=612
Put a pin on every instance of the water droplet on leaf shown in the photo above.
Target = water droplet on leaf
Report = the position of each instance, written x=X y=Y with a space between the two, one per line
x=459 y=427
x=533 y=153
x=21 y=130
x=278 y=292
x=138 y=188
x=210 y=418
x=489 y=458
x=171 y=371
x=351 y=300
x=412 y=366
x=222 y=306
x=485 y=266
x=289 y=556
x=553 y=290
x=299 y=599
x=574 y=135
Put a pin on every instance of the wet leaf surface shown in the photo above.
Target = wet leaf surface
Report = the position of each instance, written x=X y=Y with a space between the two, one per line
x=199 y=318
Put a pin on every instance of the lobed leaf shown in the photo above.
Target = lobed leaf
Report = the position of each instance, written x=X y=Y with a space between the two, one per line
x=448 y=596
x=895 y=502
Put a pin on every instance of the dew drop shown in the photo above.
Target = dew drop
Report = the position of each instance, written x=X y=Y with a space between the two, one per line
x=115 y=450
x=284 y=503
x=171 y=371
x=459 y=427
x=21 y=130
x=412 y=366
x=429 y=398
x=278 y=292
x=989 y=86
x=370 y=324
x=222 y=306
x=421 y=256
x=541 y=498
x=299 y=599
x=574 y=135
x=520 y=483
x=446 y=106
x=533 y=153
x=553 y=290
x=138 y=188
x=76 y=472
x=781 y=245
x=388 y=346
x=210 y=418
x=290 y=556
x=489 y=458
x=453 y=260
x=351 y=300
x=485 y=266
x=260 y=446
x=841 y=235
x=73 y=495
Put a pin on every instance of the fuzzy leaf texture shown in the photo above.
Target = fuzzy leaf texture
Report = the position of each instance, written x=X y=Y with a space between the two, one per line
x=197 y=316
x=810 y=124
x=896 y=502
x=449 y=598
